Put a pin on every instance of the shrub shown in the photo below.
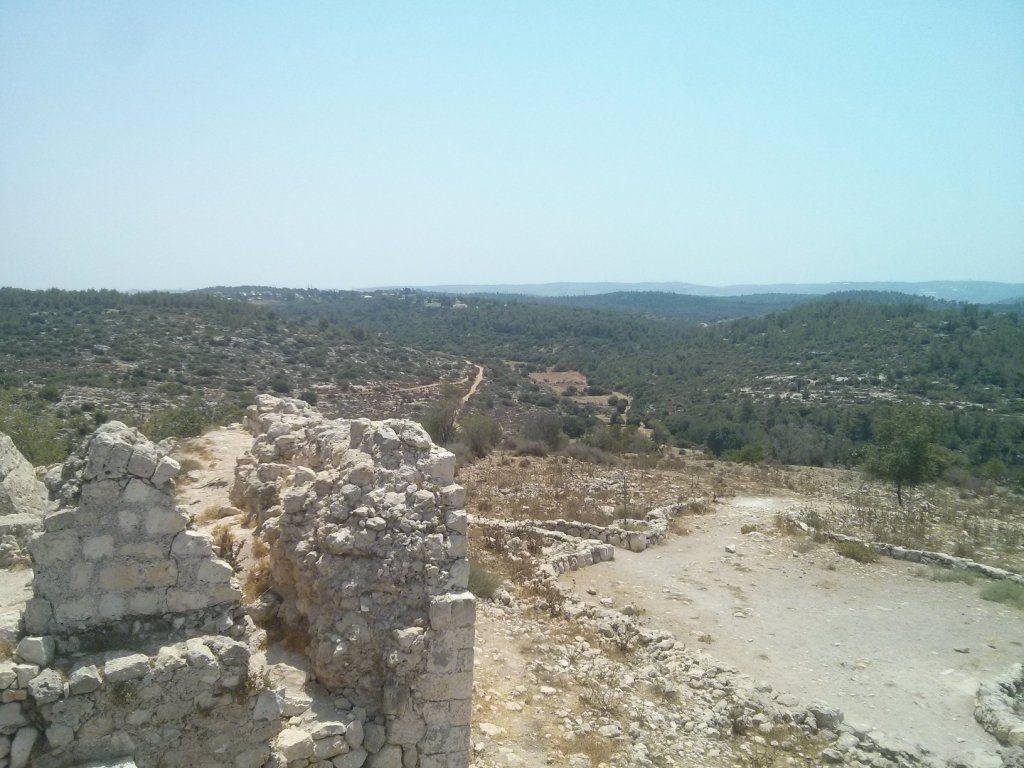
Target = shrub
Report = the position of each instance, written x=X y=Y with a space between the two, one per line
x=1006 y=592
x=479 y=433
x=858 y=551
x=190 y=420
x=952 y=575
x=482 y=582
x=589 y=453
x=747 y=528
x=544 y=427
x=36 y=435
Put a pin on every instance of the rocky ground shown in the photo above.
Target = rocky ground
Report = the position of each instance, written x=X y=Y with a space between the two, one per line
x=884 y=643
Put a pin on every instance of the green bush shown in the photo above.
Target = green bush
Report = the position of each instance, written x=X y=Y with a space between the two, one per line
x=952 y=575
x=479 y=433
x=35 y=434
x=482 y=582
x=190 y=420
x=855 y=550
x=1006 y=592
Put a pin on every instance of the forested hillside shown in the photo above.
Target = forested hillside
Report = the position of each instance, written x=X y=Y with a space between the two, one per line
x=174 y=362
x=694 y=309
x=804 y=385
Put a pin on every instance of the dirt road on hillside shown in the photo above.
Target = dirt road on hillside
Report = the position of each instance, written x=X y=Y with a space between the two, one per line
x=893 y=650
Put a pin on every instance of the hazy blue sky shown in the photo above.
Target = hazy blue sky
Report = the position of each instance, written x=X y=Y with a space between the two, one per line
x=179 y=144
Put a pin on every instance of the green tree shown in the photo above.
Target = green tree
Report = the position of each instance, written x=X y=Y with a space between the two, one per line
x=904 y=451
x=480 y=433
x=439 y=420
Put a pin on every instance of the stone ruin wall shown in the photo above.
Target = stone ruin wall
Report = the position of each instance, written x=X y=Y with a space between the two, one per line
x=22 y=505
x=135 y=649
x=368 y=540
x=117 y=550
x=127 y=649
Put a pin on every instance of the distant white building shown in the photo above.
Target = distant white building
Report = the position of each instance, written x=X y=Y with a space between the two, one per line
x=459 y=305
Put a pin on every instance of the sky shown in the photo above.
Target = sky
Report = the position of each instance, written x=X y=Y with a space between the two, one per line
x=343 y=145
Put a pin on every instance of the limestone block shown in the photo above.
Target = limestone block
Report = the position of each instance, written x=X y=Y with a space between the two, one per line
x=143 y=460
x=463 y=609
x=126 y=667
x=74 y=611
x=446 y=739
x=374 y=737
x=59 y=735
x=111 y=606
x=164 y=521
x=141 y=493
x=97 y=495
x=390 y=756
x=11 y=717
x=180 y=600
x=440 y=612
x=165 y=470
x=294 y=744
x=329 y=746
x=128 y=520
x=37 y=650
x=192 y=544
x=460 y=711
x=453 y=497
x=458 y=576
x=323 y=729
x=46 y=687
x=25 y=673
x=354 y=734
x=214 y=572
x=84 y=679
x=407 y=729
x=458 y=545
x=354 y=759
x=439 y=466
x=98 y=547
x=146 y=602
x=11 y=627
x=7 y=675
x=21 y=747
x=457 y=521
x=57 y=548
x=267 y=707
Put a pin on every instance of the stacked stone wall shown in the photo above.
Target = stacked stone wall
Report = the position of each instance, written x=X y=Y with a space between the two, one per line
x=23 y=502
x=117 y=550
x=368 y=539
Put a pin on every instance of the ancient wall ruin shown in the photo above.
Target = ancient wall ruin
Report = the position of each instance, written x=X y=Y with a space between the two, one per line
x=136 y=650
x=368 y=542
x=23 y=502
x=117 y=550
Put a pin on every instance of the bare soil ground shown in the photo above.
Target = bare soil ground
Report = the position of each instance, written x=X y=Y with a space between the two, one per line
x=893 y=650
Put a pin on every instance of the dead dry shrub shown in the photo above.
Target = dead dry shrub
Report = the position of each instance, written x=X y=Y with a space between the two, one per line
x=227 y=547
x=257 y=579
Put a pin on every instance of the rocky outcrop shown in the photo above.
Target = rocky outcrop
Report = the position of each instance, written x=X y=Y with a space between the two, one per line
x=368 y=540
x=22 y=504
x=999 y=707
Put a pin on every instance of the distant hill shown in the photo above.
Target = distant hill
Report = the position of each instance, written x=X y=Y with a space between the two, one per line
x=663 y=304
x=974 y=291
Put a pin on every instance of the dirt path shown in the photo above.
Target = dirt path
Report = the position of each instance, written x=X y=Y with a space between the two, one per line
x=895 y=651
x=477 y=381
